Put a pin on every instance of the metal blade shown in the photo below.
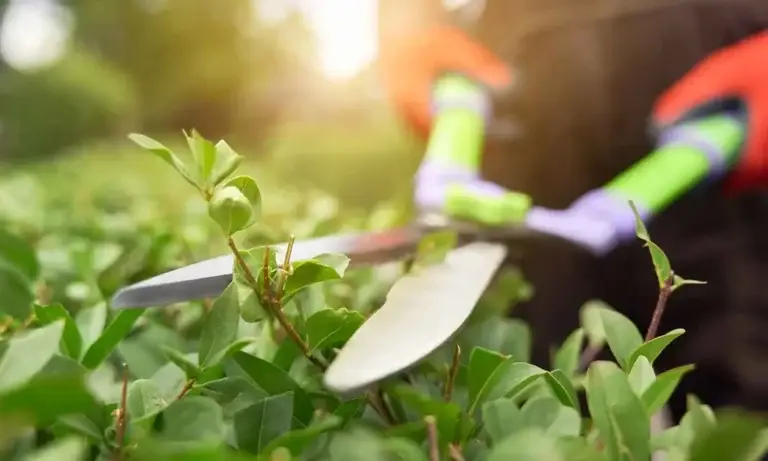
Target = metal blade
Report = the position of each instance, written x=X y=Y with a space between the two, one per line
x=422 y=312
x=207 y=279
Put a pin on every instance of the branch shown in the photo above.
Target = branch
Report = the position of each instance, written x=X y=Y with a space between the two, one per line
x=377 y=402
x=588 y=356
x=661 y=304
x=121 y=416
x=434 y=449
x=455 y=453
x=187 y=387
x=273 y=304
x=452 y=372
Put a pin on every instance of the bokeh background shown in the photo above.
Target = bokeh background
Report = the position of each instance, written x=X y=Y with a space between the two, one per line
x=290 y=84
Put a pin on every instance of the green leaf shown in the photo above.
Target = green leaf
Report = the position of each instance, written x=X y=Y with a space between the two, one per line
x=169 y=380
x=219 y=327
x=415 y=430
x=35 y=402
x=399 y=449
x=321 y=268
x=640 y=229
x=155 y=450
x=592 y=322
x=527 y=445
x=435 y=246
x=660 y=261
x=66 y=449
x=356 y=445
x=145 y=400
x=230 y=209
x=90 y=323
x=678 y=281
x=350 y=410
x=482 y=374
x=193 y=419
x=515 y=377
x=227 y=161
x=248 y=187
x=568 y=356
x=759 y=447
x=701 y=416
x=286 y=354
x=275 y=381
x=563 y=388
x=622 y=336
x=658 y=393
x=446 y=414
x=71 y=340
x=642 y=376
x=699 y=419
x=83 y=426
x=501 y=419
x=551 y=416
x=503 y=335
x=17 y=292
x=332 y=327
x=115 y=332
x=263 y=422
x=653 y=348
x=204 y=153
x=250 y=306
x=165 y=155
x=732 y=438
x=579 y=449
x=27 y=353
x=233 y=393
x=297 y=441
x=617 y=412
x=190 y=369
x=17 y=253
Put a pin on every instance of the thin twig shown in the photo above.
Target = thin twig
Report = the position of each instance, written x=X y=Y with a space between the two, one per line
x=434 y=449
x=455 y=453
x=452 y=372
x=285 y=266
x=380 y=405
x=28 y=322
x=121 y=415
x=187 y=387
x=588 y=356
x=661 y=304
x=264 y=271
x=274 y=304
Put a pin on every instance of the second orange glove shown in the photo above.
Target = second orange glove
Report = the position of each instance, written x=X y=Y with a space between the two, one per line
x=411 y=63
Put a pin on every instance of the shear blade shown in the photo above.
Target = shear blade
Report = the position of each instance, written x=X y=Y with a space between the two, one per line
x=209 y=278
x=422 y=312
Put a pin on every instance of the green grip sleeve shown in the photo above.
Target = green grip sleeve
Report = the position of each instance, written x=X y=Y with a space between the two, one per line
x=458 y=129
x=680 y=164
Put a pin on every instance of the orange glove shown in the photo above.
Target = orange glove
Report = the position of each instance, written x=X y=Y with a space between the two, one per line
x=736 y=73
x=411 y=63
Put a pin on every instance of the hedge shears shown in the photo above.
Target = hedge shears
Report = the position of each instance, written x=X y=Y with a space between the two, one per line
x=425 y=309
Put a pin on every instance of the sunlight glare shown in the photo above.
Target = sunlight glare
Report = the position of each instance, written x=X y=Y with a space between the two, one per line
x=346 y=32
x=34 y=33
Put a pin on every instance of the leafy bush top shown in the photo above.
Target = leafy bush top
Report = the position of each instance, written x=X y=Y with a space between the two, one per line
x=246 y=382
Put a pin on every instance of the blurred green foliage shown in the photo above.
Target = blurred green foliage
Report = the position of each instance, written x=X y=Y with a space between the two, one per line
x=162 y=66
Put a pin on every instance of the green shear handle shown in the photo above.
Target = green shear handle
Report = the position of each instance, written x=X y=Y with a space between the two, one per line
x=449 y=178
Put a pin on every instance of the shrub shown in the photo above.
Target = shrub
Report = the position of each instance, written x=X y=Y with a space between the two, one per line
x=239 y=377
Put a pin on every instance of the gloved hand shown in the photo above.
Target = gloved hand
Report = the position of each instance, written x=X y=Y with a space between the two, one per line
x=703 y=111
x=449 y=182
x=739 y=74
